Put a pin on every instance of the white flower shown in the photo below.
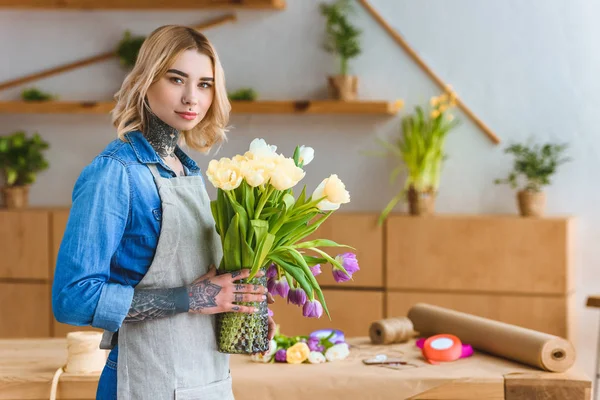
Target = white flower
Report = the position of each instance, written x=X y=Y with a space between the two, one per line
x=224 y=174
x=316 y=357
x=286 y=174
x=334 y=191
x=307 y=154
x=337 y=352
x=260 y=149
x=258 y=357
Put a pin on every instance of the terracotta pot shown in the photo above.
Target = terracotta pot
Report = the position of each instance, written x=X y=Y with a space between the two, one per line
x=531 y=204
x=15 y=196
x=343 y=87
x=421 y=203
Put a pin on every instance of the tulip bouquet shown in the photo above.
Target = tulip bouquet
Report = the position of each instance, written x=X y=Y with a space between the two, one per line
x=317 y=348
x=262 y=225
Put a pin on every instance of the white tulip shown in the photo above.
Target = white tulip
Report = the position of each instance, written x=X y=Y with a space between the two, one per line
x=307 y=154
x=258 y=357
x=316 y=357
x=337 y=352
x=260 y=149
x=334 y=191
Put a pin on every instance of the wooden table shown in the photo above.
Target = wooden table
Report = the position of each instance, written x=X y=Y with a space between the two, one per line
x=27 y=367
x=594 y=301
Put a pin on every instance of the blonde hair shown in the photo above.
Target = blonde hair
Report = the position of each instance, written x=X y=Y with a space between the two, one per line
x=157 y=54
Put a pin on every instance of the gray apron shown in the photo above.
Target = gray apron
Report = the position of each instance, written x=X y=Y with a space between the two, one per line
x=176 y=357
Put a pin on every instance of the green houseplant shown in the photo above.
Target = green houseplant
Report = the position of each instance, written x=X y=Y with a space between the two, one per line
x=342 y=41
x=534 y=164
x=20 y=160
x=420 y=150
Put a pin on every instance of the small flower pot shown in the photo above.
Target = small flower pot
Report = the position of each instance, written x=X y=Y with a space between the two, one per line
x=421 y=202
x=531 y=204
x=343 y=87
x=242 y=333
x=15 y=197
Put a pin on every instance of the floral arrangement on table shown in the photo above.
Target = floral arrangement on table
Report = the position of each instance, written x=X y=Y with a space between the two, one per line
x=263 y=226
x=319 y=347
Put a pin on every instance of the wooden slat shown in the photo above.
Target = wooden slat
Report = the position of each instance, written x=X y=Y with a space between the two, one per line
x=351 y=311
x=238 y=107
x=145 y=4
x=24 y=244
x=58 y=220
x=539 y=385
x=491 y=253
x=359 y=230
x=542 y=313
x=24 y=310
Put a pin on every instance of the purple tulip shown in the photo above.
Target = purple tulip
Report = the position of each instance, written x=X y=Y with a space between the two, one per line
x=315 y=269
x=271 y=271
x=312 y=309
x=315 y=345
x=278 y=287
x=349 y=263
x=281 y=355
x=297 y=296
x=337 y=337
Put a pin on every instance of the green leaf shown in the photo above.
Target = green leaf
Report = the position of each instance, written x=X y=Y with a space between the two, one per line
x=264 y=247
x=11 y=176
x=231 y=246
x=296 y=273
x=313 y=281
x=331 y=260
x=320 y=243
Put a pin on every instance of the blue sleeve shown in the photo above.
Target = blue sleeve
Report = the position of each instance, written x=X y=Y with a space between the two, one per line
x=81 y=291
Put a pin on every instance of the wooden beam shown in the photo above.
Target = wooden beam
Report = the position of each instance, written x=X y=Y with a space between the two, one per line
x=144 y=4
x=413 y=54
x=99 y=58
x=238 y=107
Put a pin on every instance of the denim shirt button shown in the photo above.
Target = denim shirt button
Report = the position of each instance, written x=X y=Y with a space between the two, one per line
x=157 y=212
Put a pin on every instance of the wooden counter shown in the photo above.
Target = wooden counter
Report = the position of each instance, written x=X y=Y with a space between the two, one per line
x=27 y=367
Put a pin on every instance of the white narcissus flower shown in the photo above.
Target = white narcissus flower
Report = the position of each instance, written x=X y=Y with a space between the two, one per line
x=337 y=352
x=258 y=357
x=316 y=357
x=260 y=149
x=334 y=191
x=307 y=154
x=286 y=174
x=224 y=174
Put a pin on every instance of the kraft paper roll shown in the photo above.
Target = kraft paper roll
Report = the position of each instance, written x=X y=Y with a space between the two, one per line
x=542 y=350
x=391 y=330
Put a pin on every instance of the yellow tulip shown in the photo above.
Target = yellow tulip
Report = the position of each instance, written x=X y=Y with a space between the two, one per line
x=298 y=353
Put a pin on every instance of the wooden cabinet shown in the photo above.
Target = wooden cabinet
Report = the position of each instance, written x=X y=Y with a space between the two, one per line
x=24 y=245
x=513 y=269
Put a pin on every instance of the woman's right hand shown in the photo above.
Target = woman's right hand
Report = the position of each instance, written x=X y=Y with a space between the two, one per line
x=212 y=293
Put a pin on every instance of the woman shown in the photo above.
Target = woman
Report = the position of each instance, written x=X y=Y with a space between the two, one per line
x=139 y=252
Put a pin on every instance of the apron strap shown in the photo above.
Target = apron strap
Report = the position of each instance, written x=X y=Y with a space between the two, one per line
x=154 y=171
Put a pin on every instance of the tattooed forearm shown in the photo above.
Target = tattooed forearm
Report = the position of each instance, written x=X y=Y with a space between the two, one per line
x=203 y=295
x=157 y=303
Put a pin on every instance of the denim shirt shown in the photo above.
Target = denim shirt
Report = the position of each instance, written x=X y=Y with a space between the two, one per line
x=111 y=234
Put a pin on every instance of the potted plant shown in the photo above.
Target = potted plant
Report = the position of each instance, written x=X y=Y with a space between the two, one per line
x=536 y=164
x=342 y=41
x=420 y=150
x=20 y=159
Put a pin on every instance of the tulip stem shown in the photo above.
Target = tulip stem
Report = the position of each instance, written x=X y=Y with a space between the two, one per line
x=263 y=200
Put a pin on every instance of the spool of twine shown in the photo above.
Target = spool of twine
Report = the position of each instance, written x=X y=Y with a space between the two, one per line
x=84 y=356
x=391 y=330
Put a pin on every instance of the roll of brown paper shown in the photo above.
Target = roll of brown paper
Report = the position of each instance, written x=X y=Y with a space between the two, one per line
x=391 y=330
x=527 y=346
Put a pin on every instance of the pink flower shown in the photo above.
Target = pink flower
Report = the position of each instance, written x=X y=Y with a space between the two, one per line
x=297 y=296
x=278 y=287
x=315 y=269
x=349 y=263
x=312 y=309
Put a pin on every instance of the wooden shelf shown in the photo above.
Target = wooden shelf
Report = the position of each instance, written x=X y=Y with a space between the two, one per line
x=144 y=4
x=238 y=107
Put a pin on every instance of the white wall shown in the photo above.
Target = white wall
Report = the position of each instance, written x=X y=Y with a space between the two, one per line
x=528 y=69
